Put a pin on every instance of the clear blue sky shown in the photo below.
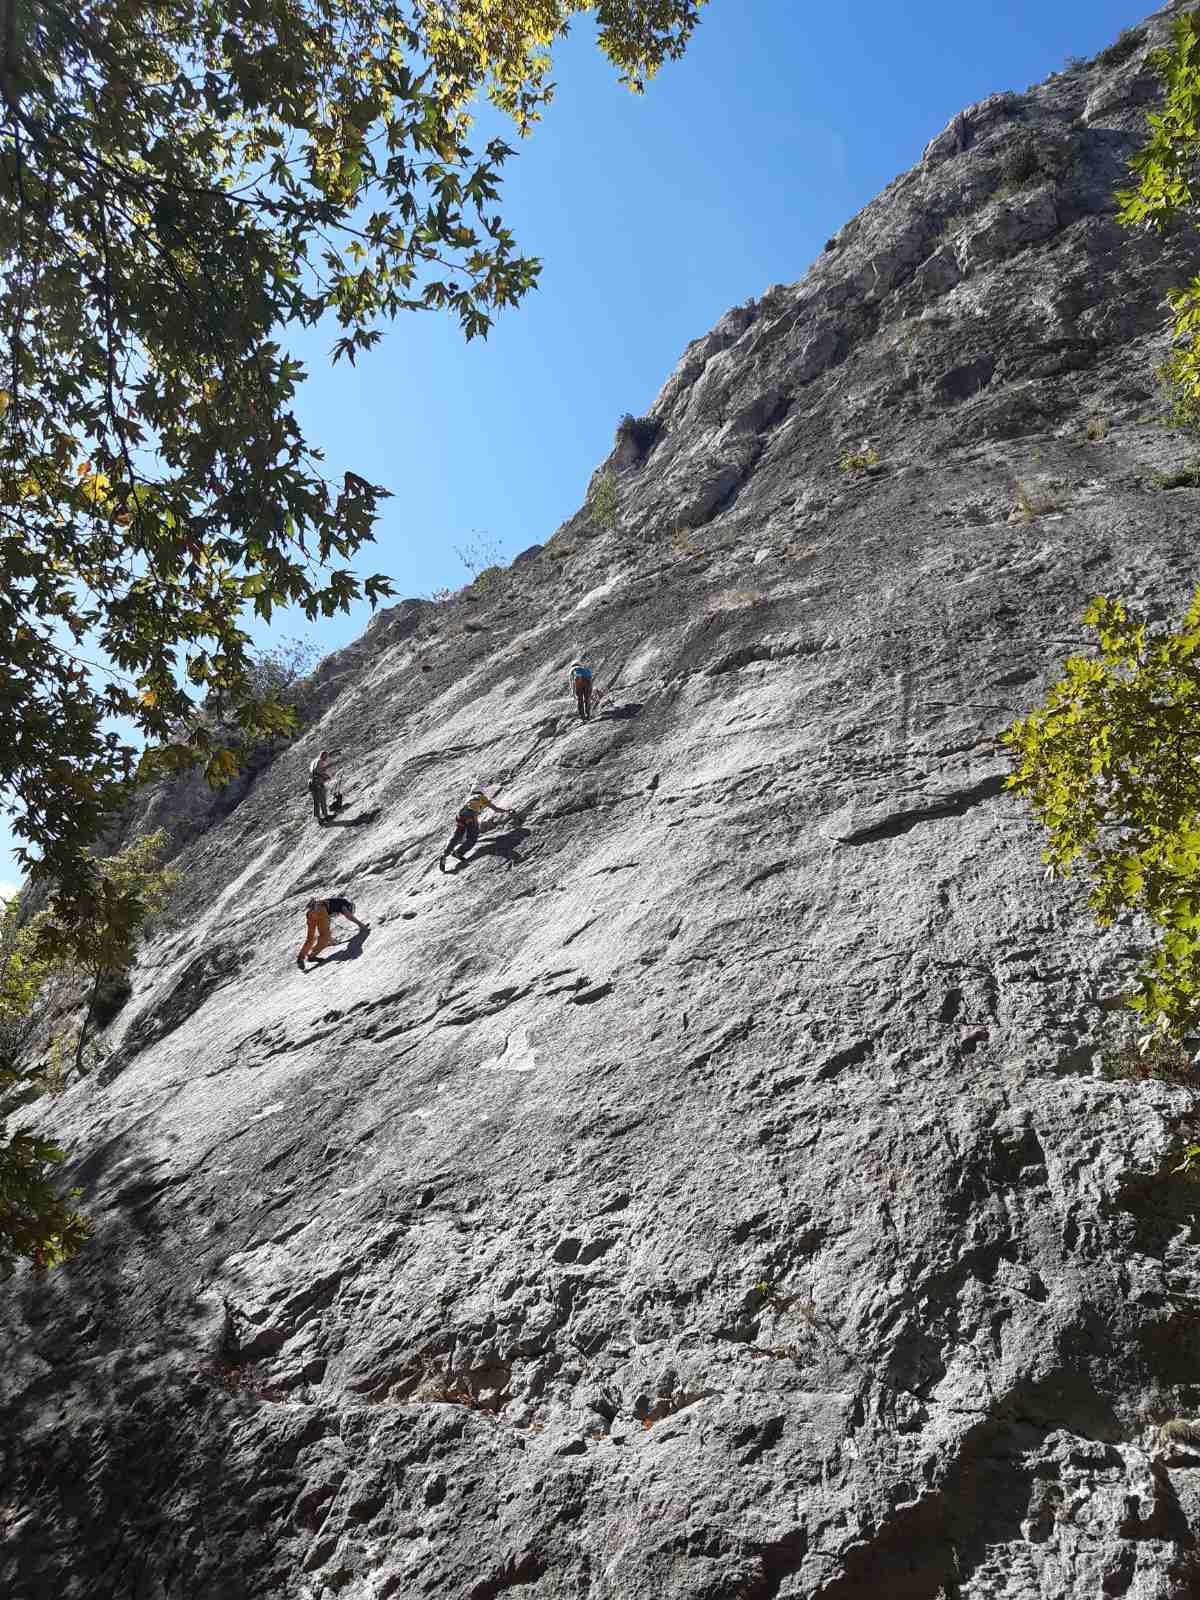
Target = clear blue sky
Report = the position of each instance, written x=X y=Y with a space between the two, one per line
x=653 y=216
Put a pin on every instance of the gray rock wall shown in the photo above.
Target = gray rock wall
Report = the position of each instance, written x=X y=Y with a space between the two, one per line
x=710 y=1190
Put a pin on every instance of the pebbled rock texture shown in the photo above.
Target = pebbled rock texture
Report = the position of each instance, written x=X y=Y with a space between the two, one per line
x=711 y=1189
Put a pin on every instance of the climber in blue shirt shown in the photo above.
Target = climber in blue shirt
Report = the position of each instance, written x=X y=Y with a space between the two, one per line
x=581 y=682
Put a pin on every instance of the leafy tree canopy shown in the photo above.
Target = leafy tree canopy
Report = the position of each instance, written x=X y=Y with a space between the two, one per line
x=181 y=181
x=1111 y=765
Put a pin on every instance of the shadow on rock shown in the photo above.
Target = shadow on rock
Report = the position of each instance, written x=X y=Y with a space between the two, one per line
x=503 y=845
x=350 y=951
x=69 y=1537
x=211 y=970
x=624 y=713
x=360 y=821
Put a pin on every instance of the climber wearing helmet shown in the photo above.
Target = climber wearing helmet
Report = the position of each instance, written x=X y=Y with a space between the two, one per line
x=580 y=681
x=466 y=823
x=317 y=936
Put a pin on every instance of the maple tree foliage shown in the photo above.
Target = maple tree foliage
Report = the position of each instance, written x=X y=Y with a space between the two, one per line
x=1110 y=763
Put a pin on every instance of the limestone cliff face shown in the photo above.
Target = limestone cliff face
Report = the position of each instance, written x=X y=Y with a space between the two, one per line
x=710 y=1190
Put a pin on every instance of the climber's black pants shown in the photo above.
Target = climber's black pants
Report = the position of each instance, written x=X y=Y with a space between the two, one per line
x=466 y=832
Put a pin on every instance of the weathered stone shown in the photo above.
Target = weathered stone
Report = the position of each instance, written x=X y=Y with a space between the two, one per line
x=1007 y=227
x=711 y=1189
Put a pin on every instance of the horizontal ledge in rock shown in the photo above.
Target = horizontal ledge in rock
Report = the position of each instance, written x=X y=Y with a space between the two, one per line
x=851 y=826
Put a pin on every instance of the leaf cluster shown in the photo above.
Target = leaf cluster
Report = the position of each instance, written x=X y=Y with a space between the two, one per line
x=1165 y=166
x=864 y=459
x=1111 y=766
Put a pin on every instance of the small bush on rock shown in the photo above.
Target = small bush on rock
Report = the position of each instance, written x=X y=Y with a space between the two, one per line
x=1153 y=1057
x=480 y=554
x=864 y=459
x=602 y=502
x=484 y=581
x=1041 y=501
x=1020 y=169
x=1126 y=45
x=282 y=668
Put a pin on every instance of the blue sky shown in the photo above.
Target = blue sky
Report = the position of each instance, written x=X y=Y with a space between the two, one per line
x=652 y=216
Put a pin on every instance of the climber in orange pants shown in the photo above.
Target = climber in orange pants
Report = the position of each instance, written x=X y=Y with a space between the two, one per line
x=317 y=936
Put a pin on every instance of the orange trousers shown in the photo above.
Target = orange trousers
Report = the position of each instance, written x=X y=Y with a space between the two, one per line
x=317 y=936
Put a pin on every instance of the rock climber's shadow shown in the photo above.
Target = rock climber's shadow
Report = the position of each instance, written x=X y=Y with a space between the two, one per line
x=350 y=951
x=503 y=845
x=632 y=708
x=360 y=821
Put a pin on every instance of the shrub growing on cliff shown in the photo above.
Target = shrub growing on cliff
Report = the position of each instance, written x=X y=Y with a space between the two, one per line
x=1020 y=169
x=864 y=459
x=280 y=670
x=482 y=557
x=1167 y=169
x=1108 y=763
x=1122 y=48
x=179 y=184
x=69 y=944
x=1042 y=500
x=96 y=936
x=602 y=502
x=36 y=1223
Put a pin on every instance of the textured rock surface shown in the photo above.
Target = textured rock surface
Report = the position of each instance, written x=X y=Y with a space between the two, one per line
x=710 y=1190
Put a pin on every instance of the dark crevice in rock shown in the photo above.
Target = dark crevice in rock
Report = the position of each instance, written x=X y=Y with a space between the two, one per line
x=746 y=655
x=521 y=1570
x=953 y=805
x=960 y=383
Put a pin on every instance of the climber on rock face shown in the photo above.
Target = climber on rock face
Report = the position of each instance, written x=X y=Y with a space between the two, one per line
x=317 y=936
x=581 y=683
x=466 y=823
x=319 y=778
